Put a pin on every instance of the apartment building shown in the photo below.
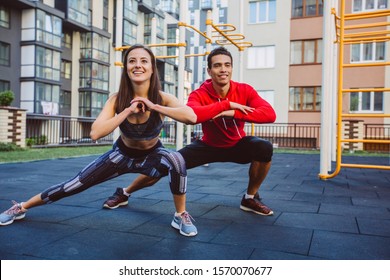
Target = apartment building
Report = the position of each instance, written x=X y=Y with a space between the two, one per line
x=58 y=56
x=285 y=62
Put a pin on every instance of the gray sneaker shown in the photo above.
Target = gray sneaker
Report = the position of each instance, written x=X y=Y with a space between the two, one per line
x=14 y=213
x=184 y=224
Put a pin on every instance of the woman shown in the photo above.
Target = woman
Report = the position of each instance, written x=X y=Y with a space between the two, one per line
x=138 y=149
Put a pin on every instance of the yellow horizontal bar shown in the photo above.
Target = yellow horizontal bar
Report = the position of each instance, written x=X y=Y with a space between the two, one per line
x=357 y=41
x=350 y=165
x=366 y=115
x=232 y=36
x=380 y=13
x=367 y=25
x=364 y=89
x=364 y=34
x=367 y=39
x=374 y=141
x=367 y=64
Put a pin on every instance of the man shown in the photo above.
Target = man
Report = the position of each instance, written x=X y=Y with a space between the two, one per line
x=222 y=106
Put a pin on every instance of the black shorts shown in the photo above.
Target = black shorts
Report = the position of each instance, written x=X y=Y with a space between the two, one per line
x=248 y=149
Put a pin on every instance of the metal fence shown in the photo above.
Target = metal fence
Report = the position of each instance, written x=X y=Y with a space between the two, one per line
x=63 y=130
x=377 y=132
x=44 y=130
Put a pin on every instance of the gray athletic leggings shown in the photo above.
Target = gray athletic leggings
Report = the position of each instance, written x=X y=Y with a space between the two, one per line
x=156 y=162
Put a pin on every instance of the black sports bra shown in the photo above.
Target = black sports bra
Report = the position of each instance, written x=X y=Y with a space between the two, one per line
x=144 y=131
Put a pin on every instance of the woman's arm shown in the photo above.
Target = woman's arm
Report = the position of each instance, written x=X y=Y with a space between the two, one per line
x=108 y=121
x=170 y=107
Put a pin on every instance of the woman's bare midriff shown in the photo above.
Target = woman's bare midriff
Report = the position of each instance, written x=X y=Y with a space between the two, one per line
x=139 y=144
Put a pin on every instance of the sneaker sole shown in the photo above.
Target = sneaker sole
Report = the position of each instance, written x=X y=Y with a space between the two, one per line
x=11 y=221
x=256 y=212
x=116 y=206
x=176 y=226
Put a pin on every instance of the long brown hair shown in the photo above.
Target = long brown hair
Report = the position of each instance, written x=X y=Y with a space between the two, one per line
x=126 y=90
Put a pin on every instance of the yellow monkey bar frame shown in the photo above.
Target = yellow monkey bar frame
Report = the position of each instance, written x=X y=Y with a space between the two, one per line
x=358 y=36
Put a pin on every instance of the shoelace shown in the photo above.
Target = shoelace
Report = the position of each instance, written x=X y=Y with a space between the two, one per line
x=15 y=209
x=186 y=218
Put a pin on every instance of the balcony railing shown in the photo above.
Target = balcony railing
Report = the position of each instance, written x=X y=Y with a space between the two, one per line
x=63 y=130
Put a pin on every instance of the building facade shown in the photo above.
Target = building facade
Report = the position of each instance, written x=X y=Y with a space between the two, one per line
x=58 y=56
x=285 y=62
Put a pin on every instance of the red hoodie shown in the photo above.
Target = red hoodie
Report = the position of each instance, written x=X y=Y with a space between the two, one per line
x=226 y=132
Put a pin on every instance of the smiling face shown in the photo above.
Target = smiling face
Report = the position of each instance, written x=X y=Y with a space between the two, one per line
x=221 y=70
x=139 y=65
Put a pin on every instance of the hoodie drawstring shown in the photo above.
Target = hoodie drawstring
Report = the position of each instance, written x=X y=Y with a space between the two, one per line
x=223 y=119
x=234 y=121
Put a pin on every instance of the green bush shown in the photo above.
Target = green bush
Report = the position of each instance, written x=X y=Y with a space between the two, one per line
x=6 y=98
x=8 y=147
x=40 y=140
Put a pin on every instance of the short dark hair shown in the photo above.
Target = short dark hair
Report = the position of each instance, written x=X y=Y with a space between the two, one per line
x=217 y=51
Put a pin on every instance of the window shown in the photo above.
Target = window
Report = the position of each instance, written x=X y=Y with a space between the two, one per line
x=169 y=73
x=94 y=75
x=4 y=54
x=159 y=23
x=79 y=11
x=130 y=9
x=4 y=17
x=91 y=103
x=366 y=102
x=4 y=85
x=173 y=37
x=369 y=5
x=308 y=51
x=261 y=57
x=65 y=103
x=49 y=29
x=306 y=8
x=206 y=4
x=267 y=95
x=48 y=64
x=305 y=99
x=66 y=69
x=368 y=52
x=129 y=33
x=105 y=23
x=169 y=6
x=262 y=11
x=67 y=40
x=49 y=94
x=95 y=46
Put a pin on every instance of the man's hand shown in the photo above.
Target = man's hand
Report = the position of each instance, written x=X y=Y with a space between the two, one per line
x=225 y=114
x=243 y=108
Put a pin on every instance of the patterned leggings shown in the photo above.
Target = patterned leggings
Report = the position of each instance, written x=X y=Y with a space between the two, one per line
x=156 y=162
